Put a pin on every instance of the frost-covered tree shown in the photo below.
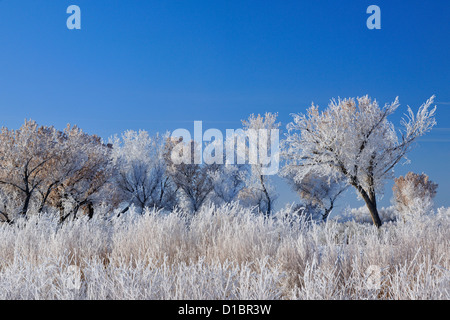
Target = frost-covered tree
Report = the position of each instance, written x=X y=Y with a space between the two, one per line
x=413 y=194
x=41 y=166
x=228 y=181
x=141 y=170
x=27 y=158
x=261 y=151
x=353 y=138
x=229 y=177
x=319 y=193
x=193 y=181
x=86 y=174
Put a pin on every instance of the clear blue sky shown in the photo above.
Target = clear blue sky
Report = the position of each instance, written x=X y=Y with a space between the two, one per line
x=160 y=65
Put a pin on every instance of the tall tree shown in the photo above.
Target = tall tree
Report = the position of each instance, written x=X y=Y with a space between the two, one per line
x=193 y=181
x=230 y=177
x=142 y=174
x=28 y=156
x=42 y=166
x=261 y=150
x=83 y=175
x=353 y=138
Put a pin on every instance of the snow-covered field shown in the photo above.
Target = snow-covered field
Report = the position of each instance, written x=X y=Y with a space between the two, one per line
x=224 y=253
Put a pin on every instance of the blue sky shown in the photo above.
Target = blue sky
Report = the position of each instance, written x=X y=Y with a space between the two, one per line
x=160 y=65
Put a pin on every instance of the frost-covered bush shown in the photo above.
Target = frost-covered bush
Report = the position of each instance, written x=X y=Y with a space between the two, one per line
x=226 y=252
x=413 y=195
x=319 y=193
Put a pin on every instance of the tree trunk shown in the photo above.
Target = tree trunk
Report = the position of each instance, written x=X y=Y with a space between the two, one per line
x=26 y=204
x=372 y=206
x=5 y=217
x=60 y=207
x=90 y=209
x=374 y=213
x=124 y=210
x=266 y=194
x=47 y=194
x=327 y=213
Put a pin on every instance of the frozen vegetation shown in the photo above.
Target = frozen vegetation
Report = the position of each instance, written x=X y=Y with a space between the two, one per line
x=225 y=252
x=75 y=221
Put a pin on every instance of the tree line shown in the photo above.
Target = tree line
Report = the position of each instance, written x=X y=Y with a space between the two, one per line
x=351 y=144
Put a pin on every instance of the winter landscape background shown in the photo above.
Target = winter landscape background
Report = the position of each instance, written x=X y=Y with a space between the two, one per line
x=100 y=200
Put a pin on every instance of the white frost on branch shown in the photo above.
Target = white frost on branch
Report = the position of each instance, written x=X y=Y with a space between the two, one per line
x=353 y=138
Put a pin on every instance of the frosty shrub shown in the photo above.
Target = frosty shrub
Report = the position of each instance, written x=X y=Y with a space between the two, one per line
x=413 y=194
x=225 y=252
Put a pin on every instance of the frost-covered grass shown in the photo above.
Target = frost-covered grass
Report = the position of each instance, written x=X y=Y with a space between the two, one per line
x=224 y=253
